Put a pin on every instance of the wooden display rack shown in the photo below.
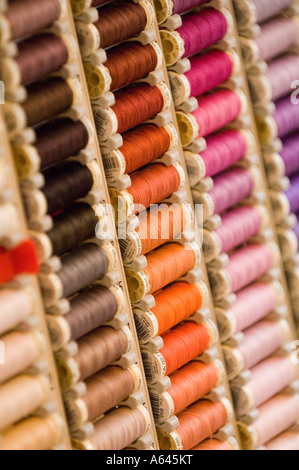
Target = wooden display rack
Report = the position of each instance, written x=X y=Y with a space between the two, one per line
x=32 y=283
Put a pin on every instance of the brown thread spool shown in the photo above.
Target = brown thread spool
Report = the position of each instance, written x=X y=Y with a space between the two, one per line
x=74 y=225
x=65 y=183
x=99 y=349
x=47 y=99
x=119 y=429
x=33 y=434
x=120 y=22
x=28 y=16
x=81 y=267
x=15 y=307
x=21 y=350
x=107 y=389
x=40 y=56
x=130 y=62
x=20 y=397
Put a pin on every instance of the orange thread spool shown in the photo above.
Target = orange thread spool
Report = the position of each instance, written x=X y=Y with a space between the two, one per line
x=200 y=421
x=143 y=145
x=213 y=444
x=176 y=303
x=168 y=263
x=191 y=383
x=184 y=343
x=153 y=184
x=159 y=225
x=136 y=105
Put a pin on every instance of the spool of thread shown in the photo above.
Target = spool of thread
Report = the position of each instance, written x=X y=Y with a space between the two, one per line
x=276 y=37
x=292 y=194
x=286 y=117
x=160 y=224
x=199 y=31
x=289 y=154
x=24 y=18
x=174 y=304
x=117 y=23
x=97 y=350
x=252 y=305
x=288 y=440
x=71 y=227
x=67 y=182
x=79 y=7
x=265 y=9
x=197 y=423
x=21 y=351
x=9 y=220
x=166 y=8
x=281 y=73
x=120 y=428
x=125 y=64
x=82 y=266
x=213 y=444
x=231 y=187
x=148 y=187
x=133 y=106
x=182 y=344
x=15 y=308
x=20 y=397
x=106 y=390
x=245 y=266
x=164 y=266
x=207 y=71
x=260 y=341
x=188 y=385
x=21 y=260
x=214 y=111
x=140 y=147
x=33 y=434
x=47 y=99
x=88 y=311
x=38 y=57
x=237 y=227
x=275 y=416
x=267 y=379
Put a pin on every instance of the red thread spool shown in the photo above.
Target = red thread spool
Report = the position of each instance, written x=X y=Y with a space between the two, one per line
x=153 y=184
x=183 y=343
x=21 y=260
x=216 y=110
x=176 y=303
x=197 y=423
x=192 y=382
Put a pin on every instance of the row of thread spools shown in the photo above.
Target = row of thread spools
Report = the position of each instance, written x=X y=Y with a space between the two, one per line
x=242 y=258
x=132 y=105
x=54 y=146
x=29 y=417
x=274 y=81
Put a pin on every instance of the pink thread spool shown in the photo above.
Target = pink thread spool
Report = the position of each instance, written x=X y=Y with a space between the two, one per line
x=288 y=440
x=281 y=73
x=166 y=8
x=275 y=416
x=276 y=37
x=267 y=8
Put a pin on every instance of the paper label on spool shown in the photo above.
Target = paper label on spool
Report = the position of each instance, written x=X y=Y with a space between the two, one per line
x=180 y=86
x=154 y=366
x=114 y=164
x=129 y=336
x=162 y=405
x=173 y=46
x=131 y=247
x=203 y=289
x=174 y=136
x=98 y=79
x=159 y=53
x=119 y=294
x=211 y=245
x=89 y=38
x=188 y=127
x=96 y=174
x=146 y=325
x=166 y=95
x=195 y=166
x=150 y=13
x=227 y=323
x=229 y=409
x=26 y=158
x=164 y=9
x=174 y=440
x=138 y=284
x=181 y=173
x=194 y=246
x=112 y=255
x=106 y=122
